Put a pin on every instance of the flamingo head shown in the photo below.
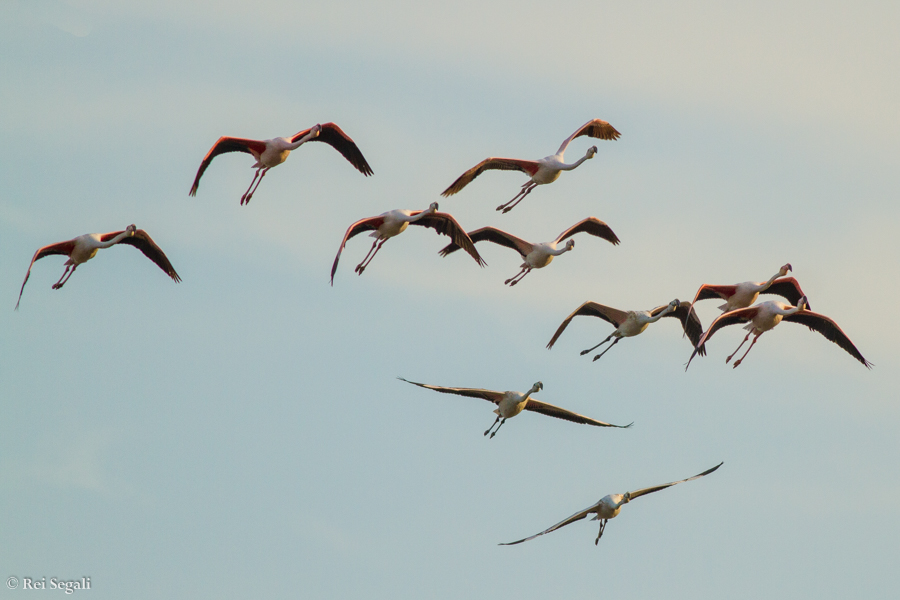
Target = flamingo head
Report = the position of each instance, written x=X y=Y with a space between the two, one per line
x=433 y=207
x=131 y=229
x=785 y=269
x=591 y=152
x=674 y=303
x=570 y=243
x=626 y=498
x=538 y=386
x=316 y=129
x=803 y=303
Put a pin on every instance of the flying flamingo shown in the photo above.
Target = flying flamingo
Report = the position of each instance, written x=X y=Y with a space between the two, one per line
x=609 y=507
x=633 y=322
x=766 y=315
x=545 y=170
x=395 y=222
x=742 y=295
x=271 y=153
x=537 y=256
x=509 y=404
x=85 y=247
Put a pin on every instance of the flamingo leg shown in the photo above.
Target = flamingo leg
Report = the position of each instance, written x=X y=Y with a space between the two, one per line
x=738 y=361
x=492 y=425
x=746 y=337
x=609 y=337
x=70 y=269
x=498 y=428
x=246 y=195
x=600 y=534
x=615 y=341
x=526 y=189
x=365 y=263
x=518 y=276
x=375 y=243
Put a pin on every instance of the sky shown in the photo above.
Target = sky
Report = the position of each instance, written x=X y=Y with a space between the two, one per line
x=243 y=433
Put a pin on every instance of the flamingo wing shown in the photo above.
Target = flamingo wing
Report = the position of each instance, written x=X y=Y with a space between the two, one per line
x=787 y=287
x=445 y=224
x=65 y=248
x=708 y=291
x=492 y=234
x=489 y=395
x=656 y=488
x=143 y=242
x=335 y=137
x=367 y=224
x=593 y=226
x=830 y=330
x=734 y=317
x=576 y=517
x=529 y=167
x=690 y=322
x=561 y=413
x=595 y=128
x=227 y=144
x=611 y=315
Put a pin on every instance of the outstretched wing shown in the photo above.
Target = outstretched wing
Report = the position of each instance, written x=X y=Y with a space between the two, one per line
x=529 y=167
x=595 y=128
x=58 y=248
x=576 y=517
x=335 y=137
x=787 y=287
x=656 y=488
x=611 y=315
x=445 y=224
x=367 y=224
x=690 y=322
x=143 y=242
x=227 y=144
x=561 y=413
x=492 y=234
x=593 y=226
x=830 y=330
x=489 y=395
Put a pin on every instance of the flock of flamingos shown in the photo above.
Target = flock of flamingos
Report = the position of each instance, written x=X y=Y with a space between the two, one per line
x=739 y=307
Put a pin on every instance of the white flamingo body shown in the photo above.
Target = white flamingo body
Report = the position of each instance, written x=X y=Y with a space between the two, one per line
x=609 y=507
x=85 y=247
x=541 y=172
x=273 y=152
x=393 y=223
x=511 y=403
x=634 y=322
x=764 y=316
x=744 y=294
x=538 y=256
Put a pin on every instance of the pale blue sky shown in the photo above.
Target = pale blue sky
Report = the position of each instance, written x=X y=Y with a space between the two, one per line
x=243 y=433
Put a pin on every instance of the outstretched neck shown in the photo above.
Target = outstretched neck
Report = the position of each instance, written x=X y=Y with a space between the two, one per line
x=563 y=250
x=576 y=164
x=771 y=280
x=661 y=314
x=313 y=133
x=422 y=215
x=116 y=239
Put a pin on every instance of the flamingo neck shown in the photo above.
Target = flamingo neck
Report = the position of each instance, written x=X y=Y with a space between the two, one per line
x=421 y=215
x=565 y=167
x=311 y=135
x=116 y=239
x=558 y=251
x=788 y=311
x=771 y=280
x=661 y=314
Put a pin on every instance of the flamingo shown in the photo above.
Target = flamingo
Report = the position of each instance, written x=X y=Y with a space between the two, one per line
x=766 y=315
x=537 y=256
x=84 y=247
x=742 y=295
x=633 y=322
x=394 y=222
x=510 y=404
x=271 y=153
x=609 y=506
x=545 y=170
